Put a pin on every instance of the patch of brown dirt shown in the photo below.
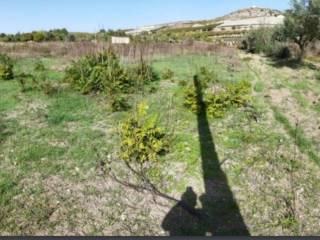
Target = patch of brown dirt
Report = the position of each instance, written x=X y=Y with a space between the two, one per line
x=102 y=207
x=31 y=114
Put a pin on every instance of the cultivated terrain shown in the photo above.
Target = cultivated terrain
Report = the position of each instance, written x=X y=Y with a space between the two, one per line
x=51 y=180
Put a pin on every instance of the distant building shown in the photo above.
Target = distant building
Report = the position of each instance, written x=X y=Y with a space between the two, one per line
x=146 y=29
x=120 y=40
x=250 y=23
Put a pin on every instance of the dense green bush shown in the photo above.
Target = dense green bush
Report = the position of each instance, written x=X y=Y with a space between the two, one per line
x=38 y=36
x=217 y=104
x=6 y=67
x=142 y=141
x=264 y=40
x=259 y=40
x=103 y=73
x=239 y=93
x=98 y=73
x=219 y=100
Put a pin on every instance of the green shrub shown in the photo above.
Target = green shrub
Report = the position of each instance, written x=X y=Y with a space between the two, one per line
x=218 y=102
x=206 y=77
x=39 y=67
x=142 y=141
x=98 y=73
x=264 y=40
x=103 y=73
x=168 y=74
x=23 y=80
x=259 y=40
x=190 y=99
x=41 y=79
x=142 y=75
x=234 y=95
x=48 y=88
x=38 y=36
x=183 y=83
x=119 y=103
x=239 y=93
x=318 y=75
x=6 y=67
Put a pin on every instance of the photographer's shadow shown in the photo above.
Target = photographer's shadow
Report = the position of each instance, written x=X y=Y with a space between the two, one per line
x=220 y=214
x=185 y=222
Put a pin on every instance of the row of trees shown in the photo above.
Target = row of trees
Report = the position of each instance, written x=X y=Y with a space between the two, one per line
x=38 y=36
x=60 y=35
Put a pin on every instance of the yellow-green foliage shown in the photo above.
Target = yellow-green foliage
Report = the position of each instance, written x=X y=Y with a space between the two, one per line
x=220 y=101
x=207 y=77
x=142 y=140
x=190 y=99
x=240 y=93
x=217 y=104
x=6 y=67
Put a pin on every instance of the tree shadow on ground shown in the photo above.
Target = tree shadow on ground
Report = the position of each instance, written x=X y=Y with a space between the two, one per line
x=291 y=63
x=220 y=214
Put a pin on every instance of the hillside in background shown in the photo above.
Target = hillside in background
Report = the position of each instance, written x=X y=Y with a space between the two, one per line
x=252 y=12
x=247 y=13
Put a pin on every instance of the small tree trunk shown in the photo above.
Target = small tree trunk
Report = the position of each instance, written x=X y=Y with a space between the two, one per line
x=302 y=52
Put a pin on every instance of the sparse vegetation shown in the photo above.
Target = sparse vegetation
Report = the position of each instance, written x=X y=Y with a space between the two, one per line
x=6 y=67
x=164 y=136
x=62 y=139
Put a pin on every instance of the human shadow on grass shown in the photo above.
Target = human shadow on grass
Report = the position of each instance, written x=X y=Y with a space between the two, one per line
x=220 y=214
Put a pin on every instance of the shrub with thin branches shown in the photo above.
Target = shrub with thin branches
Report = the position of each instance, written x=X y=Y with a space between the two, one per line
x=6 y=67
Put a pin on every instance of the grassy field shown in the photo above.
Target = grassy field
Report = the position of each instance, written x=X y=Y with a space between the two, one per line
x=265 y=182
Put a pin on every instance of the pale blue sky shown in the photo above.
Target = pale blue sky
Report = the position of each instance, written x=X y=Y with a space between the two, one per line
x=92 y=15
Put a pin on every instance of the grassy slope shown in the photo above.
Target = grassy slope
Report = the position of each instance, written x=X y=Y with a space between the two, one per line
x=50 y=148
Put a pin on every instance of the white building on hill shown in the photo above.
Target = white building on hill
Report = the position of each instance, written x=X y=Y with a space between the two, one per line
x=250 y=23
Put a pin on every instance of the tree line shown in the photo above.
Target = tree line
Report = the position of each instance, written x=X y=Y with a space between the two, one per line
x=60 y=35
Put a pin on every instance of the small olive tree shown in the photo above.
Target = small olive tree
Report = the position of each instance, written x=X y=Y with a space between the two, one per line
x=302 y=24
